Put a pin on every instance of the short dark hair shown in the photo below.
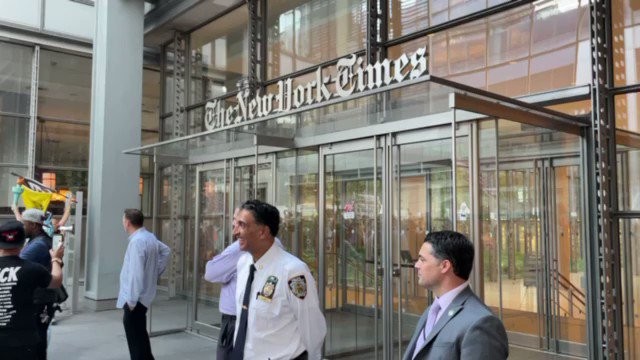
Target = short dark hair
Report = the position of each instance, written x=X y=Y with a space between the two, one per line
x=264 y=214
x=135 y=216
x=455 y=247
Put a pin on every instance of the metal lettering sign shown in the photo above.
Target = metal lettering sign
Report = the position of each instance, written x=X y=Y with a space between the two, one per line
x=352 y=77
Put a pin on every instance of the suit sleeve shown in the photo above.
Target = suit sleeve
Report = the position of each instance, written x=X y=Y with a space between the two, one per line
x=485 y=339
x=306 y=308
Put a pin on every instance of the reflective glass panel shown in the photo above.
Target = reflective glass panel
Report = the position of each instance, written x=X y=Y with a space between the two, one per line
x=408 y=16
x=15 y=82
x=630 y=270
x=530 y=49
x=627 y=109
x=62 y=144
x=219 y=55
x=304 y=33
x=64 y=89
x=628 y=167
x=150 y=99
x=625 y=16
x=14 y=140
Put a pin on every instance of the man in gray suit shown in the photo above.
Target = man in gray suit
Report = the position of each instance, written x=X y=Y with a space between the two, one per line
x=457 y=325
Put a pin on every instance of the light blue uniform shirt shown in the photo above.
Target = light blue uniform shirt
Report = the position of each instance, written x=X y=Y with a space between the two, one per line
x=145 y=259
x=223 y=269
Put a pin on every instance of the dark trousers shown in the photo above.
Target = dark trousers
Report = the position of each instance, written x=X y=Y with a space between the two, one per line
x=18 y=353
x=225 y=341
x=135 y=327
x=43 y=316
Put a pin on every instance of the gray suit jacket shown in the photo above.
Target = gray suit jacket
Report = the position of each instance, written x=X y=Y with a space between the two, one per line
x=467 y=329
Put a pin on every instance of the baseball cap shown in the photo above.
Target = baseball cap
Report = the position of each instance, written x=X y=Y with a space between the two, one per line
x=33 y=215
x=11 y=235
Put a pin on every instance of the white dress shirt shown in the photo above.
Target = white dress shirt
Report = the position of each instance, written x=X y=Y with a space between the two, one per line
x=145 y=260
x=288 y=323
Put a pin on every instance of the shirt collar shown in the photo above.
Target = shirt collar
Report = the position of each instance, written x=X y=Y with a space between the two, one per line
x=265 y=260
x=447 y=298
x=136 y=232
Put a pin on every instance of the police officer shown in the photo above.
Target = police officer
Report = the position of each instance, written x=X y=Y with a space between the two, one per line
x=18 y=280
x=278 y=315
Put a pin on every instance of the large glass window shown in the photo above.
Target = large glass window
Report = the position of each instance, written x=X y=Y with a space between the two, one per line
x=530 y=49
x=625 y=18
x=627 y=116
x=303 y=33
x=150 y=106
x=628 y=167
x=14 y=140
x=408 y=16
x=630 y=270
x=62 y=144
x=219 y=55
x=64 y=89
x=15 y=78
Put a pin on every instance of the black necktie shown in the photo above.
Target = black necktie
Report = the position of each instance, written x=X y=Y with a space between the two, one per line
x=238 y=346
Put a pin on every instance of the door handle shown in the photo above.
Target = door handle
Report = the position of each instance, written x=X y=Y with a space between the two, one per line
x=396 y=272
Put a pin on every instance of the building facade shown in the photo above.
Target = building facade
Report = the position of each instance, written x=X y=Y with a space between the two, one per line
x=521 y=131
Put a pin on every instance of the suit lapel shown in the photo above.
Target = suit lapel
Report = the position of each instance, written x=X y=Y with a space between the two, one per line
x=414 y=340
x=454 y=308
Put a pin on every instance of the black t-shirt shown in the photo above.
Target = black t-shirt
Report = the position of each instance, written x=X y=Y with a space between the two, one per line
x=18 y=280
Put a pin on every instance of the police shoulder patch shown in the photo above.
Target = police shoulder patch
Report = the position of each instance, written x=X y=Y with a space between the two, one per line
x=298 y=286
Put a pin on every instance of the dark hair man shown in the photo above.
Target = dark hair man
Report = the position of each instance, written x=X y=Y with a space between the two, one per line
x=457 y=325
x=145 y=260
x=19 y=278
x=222 y=269
x=37 y=250
x=276 y=300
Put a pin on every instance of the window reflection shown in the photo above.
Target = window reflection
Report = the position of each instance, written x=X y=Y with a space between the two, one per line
x=219 y=55
x=64 y=89
x=626 y=50
x=408 y=16
x=15 y=83
x=529 y=49
x=304 y=33
x=62 y=144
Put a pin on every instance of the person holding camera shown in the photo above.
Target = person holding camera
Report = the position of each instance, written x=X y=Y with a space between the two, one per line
x=20 y=335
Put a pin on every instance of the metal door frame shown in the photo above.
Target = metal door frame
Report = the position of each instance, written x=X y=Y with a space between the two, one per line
x=193 y=323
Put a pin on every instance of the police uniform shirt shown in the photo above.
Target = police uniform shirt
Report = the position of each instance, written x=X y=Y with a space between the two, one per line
x=284 y=316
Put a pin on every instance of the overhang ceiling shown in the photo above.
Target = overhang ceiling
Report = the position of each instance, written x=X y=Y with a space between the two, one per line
x=180 y=15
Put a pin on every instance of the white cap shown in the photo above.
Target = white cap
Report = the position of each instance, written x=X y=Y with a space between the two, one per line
x=33 y=215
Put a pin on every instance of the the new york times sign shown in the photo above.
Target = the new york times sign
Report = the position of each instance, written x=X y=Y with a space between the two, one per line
x=352 y=76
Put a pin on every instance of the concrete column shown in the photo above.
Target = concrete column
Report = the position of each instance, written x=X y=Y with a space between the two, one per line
x=115 y=126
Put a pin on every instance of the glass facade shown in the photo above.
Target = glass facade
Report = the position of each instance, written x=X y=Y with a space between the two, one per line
x=525 y=181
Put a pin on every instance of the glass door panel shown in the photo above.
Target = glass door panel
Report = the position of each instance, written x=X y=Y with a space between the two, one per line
x=425 y=205
x=351 y=214
x=212 y=228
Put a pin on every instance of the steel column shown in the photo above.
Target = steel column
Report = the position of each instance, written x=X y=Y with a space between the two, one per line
x=605 y=317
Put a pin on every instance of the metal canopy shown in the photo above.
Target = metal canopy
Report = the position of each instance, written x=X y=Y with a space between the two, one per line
x=424 y=102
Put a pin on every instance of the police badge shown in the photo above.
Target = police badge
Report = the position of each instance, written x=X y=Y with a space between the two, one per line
x=268 y=289
x=298 y=286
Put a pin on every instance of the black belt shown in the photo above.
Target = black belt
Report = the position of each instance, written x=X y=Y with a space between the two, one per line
x=230 y=317
x=303 y=356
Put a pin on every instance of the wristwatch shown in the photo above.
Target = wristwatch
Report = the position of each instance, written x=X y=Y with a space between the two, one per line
x=59 y=261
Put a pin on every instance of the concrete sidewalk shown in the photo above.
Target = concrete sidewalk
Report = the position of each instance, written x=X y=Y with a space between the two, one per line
x=100 y=336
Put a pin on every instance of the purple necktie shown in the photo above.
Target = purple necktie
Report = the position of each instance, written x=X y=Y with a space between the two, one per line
x=431 y=321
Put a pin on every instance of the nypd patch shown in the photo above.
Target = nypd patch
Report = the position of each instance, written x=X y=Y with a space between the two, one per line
x=298 y=286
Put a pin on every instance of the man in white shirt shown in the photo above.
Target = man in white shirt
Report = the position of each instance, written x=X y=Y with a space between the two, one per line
x=222 y=269
x=277 y=308
x=457 y=325
x=145 y=260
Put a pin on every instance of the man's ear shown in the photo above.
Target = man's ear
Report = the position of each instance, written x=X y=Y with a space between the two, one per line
x=447 y=266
